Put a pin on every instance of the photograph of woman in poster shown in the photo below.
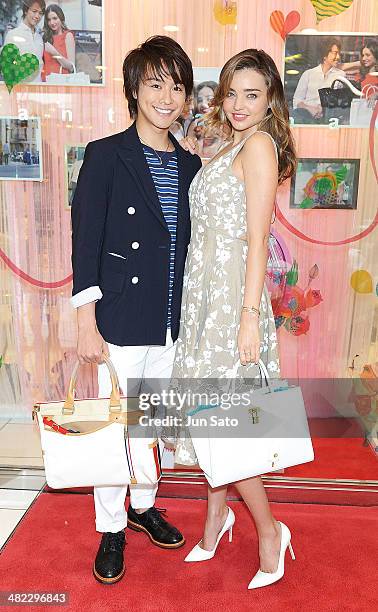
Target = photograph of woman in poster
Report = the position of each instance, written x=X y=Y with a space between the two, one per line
x=59 y=50
x=209 y=141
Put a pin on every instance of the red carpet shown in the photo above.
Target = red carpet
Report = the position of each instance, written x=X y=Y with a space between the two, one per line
x=339 y=452
x=345 y=458
x=55 y=544
x=335 y=458
x=339 y=458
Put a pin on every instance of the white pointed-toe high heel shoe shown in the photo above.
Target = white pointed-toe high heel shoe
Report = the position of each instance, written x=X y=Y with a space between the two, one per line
x=261 y=579
x=199 y=554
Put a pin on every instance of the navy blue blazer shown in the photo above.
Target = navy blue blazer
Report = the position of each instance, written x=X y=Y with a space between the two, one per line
x=120 y=240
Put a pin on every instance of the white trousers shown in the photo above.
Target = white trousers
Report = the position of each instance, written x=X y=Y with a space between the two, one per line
x=135 y=363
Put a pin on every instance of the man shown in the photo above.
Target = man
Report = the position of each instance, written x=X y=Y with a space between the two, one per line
x=131 y=229
x=6 y=153
x=27 y=37
x=306 y=100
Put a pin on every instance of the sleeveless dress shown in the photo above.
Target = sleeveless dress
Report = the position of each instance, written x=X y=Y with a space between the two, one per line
x=213 y=287
x=51 y=65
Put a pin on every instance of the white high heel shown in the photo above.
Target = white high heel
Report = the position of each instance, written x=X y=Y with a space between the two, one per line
x=261 y=579
x=199 y=554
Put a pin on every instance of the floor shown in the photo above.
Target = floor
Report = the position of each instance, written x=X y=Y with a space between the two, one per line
x=20 y=444
x=21 y=473
x=333 y=572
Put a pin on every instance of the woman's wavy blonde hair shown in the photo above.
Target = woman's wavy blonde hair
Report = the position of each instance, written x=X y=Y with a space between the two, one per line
x=276 y=121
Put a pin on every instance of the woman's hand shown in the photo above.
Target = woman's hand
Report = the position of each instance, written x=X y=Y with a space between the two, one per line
x=249 y=339
x=190 y=144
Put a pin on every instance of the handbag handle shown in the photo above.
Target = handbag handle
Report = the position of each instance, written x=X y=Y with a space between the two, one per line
x=115 y=397
x=73 y=66
x=348 y=84
x=263 y=372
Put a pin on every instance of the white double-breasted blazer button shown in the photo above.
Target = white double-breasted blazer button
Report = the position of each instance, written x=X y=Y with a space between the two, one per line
x=135 y=280
x=131 y=210
x=135 y=245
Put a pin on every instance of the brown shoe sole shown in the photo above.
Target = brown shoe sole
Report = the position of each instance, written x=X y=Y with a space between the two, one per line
x=104 y=580
x=136 y=527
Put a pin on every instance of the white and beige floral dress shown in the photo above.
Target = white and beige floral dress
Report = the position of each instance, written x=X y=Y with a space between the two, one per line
x=213 y=287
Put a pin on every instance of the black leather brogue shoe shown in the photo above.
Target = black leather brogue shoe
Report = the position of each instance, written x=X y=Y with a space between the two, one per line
x=109 y=565
x=160 y=532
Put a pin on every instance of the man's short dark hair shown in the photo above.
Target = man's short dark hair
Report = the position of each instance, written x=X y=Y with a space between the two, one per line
x=159 y=56
x=326 y=46
x=27 y=4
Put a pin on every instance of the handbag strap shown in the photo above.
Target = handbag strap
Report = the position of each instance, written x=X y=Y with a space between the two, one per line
x=115 y=397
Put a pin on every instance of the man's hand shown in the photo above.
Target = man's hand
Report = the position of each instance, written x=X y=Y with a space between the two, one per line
x=316 y=110
x=91 y=347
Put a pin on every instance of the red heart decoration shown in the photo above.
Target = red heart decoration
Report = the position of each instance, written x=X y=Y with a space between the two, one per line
x=291 y=22
x=283 y=25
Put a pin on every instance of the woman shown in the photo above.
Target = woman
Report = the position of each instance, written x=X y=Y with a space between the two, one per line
x=368 y=64
x=59 y=52
x=232 y=200
x=209 y=140
x=204 y=94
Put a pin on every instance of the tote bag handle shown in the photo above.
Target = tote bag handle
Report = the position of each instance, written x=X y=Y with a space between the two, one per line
x=263 y=372
x=115 y=397
x=74 y=71
x=348 y=85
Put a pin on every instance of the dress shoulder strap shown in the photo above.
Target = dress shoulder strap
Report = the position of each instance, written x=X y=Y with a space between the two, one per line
x=272 y=139
x=235 y=150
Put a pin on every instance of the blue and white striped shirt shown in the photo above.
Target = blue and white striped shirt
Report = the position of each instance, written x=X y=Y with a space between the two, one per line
x=165 y=177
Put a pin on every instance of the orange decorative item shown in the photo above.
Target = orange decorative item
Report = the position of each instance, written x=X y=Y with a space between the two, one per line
x=369 y=377
x=312 y=298
x=225 y=11
x=284 y=25
x=364 y=394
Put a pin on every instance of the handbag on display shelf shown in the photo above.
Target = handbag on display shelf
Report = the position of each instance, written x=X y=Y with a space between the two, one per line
x=72 y=78
x=271 y=433
x=338 y=97
x=96 y=442
x=361 y=112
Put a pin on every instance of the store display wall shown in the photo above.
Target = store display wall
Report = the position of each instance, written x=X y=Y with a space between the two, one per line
x=335 y=252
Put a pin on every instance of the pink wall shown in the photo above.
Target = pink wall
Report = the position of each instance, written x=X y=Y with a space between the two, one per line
x=38 y=326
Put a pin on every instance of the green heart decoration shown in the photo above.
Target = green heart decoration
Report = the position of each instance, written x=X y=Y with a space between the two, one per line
x=16 y=67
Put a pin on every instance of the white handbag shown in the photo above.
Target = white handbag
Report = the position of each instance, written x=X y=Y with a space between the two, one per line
x=71 y=78
x=96 y=442
x=264 y=431
x=361 y=112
